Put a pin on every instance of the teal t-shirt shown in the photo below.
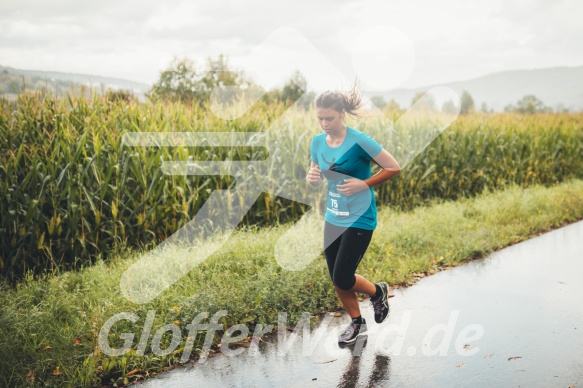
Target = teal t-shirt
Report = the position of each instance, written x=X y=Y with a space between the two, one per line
x=350 y=159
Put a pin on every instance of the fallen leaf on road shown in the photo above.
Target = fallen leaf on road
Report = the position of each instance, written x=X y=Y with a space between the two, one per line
x=460 y=365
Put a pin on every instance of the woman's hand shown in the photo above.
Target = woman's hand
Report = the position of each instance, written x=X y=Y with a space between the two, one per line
x=314 y=177
x=352 y=186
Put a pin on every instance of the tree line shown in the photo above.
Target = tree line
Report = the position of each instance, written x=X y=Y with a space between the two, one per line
x=528 y=104
x=183 y=82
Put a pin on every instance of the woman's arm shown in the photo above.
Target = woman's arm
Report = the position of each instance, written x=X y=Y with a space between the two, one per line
x=389 y=168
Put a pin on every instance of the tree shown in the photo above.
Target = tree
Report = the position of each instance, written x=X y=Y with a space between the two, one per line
x=378 y=101
x=179 y=82
x=120 y=95
x=393 y=105
x=218 y=75
x=449 y=107
x=529 y=104
x=424 y=100
x=182 y=82
x=466 y=102
x=294 y=91
x=294 y=88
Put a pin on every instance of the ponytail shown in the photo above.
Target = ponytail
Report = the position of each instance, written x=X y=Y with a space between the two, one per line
x=351 y=100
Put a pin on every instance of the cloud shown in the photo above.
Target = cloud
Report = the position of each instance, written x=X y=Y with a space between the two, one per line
x=453 y=39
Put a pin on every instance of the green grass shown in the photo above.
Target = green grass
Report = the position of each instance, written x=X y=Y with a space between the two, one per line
x=245 y=279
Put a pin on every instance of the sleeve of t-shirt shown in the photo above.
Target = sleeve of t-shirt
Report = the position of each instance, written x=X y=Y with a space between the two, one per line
x=370 y=146
x=313 y=151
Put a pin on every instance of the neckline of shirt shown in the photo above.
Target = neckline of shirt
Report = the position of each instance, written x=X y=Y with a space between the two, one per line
x=343 y=141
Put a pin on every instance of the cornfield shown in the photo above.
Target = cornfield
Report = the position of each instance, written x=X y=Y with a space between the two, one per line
x=71 y=191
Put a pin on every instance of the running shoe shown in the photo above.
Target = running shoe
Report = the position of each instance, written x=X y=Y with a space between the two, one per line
x=381 y=305
x=352 y=331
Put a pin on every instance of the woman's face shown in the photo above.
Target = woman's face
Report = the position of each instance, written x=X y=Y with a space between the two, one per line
x=330 y=121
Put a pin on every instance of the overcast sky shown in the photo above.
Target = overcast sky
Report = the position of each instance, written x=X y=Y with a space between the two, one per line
x=415 y=42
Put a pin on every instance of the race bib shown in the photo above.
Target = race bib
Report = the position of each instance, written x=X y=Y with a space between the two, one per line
x=337 y=204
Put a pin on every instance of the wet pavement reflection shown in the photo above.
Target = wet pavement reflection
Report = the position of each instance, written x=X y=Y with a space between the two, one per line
x=514 y=318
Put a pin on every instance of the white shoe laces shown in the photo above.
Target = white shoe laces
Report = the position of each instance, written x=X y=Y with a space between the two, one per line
x=378 y=307
x=352 y=326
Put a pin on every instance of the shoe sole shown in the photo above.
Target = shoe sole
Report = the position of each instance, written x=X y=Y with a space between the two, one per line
x=362 y=332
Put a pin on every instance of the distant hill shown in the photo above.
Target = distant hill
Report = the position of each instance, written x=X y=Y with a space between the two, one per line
x=557 y=87
x=11 y=80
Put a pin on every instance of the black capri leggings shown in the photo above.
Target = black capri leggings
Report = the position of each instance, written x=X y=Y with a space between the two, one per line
x=345 y=252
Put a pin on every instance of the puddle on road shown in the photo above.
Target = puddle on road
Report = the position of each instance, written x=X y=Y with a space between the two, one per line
x=514 y=318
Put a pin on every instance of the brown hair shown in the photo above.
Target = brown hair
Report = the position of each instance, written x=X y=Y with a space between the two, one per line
x=350 y=100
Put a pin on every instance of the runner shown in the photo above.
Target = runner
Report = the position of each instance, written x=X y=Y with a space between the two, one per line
x=342 y=155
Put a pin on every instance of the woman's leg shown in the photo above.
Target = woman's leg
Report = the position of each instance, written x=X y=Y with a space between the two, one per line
x=332 y=238
x=363 y=286
x=343 y=256
x=350 y=300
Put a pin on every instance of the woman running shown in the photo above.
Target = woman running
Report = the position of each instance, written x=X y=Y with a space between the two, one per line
x=342 y=155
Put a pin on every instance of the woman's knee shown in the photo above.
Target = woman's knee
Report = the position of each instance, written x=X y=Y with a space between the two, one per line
x=344 y=283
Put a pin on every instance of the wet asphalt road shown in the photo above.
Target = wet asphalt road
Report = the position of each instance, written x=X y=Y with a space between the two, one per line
x=512 y=319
